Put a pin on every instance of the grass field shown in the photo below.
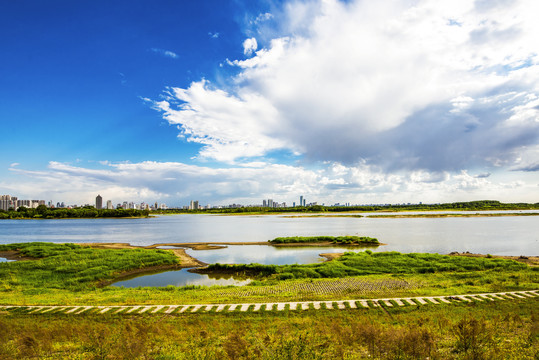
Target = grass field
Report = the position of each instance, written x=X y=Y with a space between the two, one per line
x=495 y=330
x=73 y=267
x=70 y=274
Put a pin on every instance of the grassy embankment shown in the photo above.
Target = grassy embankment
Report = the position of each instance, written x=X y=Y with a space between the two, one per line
x=490 y=330
x=71 y=274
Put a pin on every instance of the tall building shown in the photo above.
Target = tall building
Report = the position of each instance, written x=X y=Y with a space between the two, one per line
x=109 y=205
x=98 y=202
x=5 y=202
x=301 y=201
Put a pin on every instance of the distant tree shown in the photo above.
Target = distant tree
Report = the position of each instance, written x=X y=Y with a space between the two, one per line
x=41 y=209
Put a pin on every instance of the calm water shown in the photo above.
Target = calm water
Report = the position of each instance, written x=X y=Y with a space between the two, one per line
x=268 y=254
x=180 y=278
x=515 y=235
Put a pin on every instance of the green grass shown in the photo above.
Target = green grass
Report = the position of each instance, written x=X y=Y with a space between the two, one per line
x=489 y=330
x=341 y=240
x=67 y=274
x=369 y=263
x=73 y=267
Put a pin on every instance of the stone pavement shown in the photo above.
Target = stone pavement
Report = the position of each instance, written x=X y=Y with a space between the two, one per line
x=272 y=306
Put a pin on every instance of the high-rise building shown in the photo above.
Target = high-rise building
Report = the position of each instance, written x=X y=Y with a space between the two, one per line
x=98 y=202
x=301 y=201
x=109 y=205
x=193 y=205
x=5 y=201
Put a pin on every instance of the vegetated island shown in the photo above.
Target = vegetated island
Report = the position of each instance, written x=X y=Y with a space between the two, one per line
x=294 y=241
x=323 y=240
x=369 y=263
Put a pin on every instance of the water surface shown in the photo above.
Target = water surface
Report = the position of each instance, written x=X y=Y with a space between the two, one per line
x=511 y=235
x=180 y=278
x=514 y=235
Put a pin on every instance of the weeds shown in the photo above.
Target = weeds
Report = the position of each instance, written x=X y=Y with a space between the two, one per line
x=453 y=332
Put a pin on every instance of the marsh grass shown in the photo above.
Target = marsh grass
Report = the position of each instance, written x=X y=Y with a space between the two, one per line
x=73 y=267
x=68 y=274
x=369 y=263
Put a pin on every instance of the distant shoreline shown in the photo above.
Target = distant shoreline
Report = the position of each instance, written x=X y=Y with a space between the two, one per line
x=425 y=214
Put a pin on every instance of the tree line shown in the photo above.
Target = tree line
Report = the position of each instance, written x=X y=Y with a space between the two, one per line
x=43 y=212
x=481 y=205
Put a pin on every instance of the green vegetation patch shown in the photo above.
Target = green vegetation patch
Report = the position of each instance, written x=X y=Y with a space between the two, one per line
x=343 y=240
x=43 y=212
x=74 y=267
x=369 y=263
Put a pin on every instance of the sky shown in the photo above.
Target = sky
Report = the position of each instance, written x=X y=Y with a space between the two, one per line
x=362 y=102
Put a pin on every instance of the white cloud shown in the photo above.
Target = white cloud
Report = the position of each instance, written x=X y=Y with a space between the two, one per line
x=205 y=117
x=214 y=35
x=399 y=85
x=177 y=183
x=263 y=17
x=249 y=46
x=166 y=53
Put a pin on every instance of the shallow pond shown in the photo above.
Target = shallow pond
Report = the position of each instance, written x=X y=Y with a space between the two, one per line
x=246 y=254
x=180 y=278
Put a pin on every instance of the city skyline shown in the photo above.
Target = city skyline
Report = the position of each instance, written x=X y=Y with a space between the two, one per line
x=235 y=102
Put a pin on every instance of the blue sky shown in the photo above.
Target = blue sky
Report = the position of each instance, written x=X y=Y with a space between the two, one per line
x=362 y=102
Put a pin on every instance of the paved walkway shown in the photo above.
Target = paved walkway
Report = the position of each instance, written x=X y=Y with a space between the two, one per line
x=273 y=306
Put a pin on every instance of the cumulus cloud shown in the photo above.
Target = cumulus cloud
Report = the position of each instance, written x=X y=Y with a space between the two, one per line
x=177 y=183
x=205 y=117
x=404 y=86
x=249 y=46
